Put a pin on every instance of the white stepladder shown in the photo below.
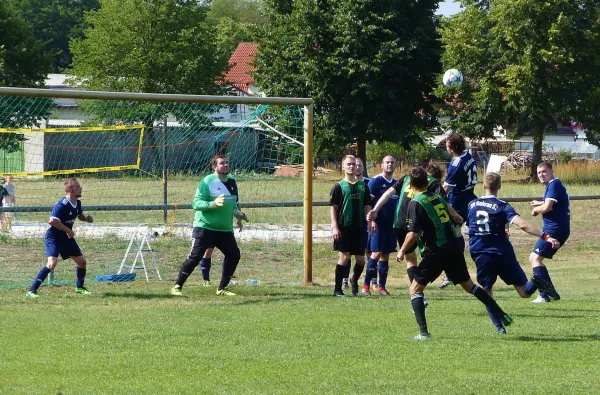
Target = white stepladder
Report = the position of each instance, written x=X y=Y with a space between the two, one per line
x=141 y=245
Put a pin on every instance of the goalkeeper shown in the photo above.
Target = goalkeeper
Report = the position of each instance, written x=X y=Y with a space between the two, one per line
x=216 y=203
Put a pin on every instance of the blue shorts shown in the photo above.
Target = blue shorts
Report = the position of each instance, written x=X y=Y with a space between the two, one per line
x=384 y=240
x=64 y=247
x=492 y=266
x=544 y=249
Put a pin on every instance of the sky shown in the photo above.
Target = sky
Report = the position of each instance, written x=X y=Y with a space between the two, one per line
x=449 y=7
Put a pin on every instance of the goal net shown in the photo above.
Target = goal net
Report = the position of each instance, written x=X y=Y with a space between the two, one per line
x=139 y=161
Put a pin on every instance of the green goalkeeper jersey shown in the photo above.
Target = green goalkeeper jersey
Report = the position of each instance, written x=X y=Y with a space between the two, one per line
x=215 y=218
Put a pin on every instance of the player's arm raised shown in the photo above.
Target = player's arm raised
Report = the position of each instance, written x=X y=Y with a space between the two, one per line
x=533 y=230
x=543 y=208
x=372 y=214
x=202 y=201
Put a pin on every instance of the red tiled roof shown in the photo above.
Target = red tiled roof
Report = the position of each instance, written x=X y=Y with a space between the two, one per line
x=241 y=59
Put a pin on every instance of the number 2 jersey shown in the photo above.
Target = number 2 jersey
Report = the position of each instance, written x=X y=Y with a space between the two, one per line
x=487 y=219
x=462 y=178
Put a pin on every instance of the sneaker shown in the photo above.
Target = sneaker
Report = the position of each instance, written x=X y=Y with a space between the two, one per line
x=206 y=283
x=366 y=290
x=545 y=286
x=225 y=292
x=345 y=283
x=176 y=290
x=83 y=291
x=502 y=331
x=339 y=293
x=354 y=287
x=445 y=283
x=540 y=299
x=507 y=320
x=421 y=336
x=382 y=291
x=32 y=294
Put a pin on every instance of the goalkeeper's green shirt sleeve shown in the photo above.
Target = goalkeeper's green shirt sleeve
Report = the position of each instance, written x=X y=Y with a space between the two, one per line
x=202 y=199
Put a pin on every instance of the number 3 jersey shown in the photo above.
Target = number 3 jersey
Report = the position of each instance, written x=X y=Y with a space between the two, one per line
x=487 y=221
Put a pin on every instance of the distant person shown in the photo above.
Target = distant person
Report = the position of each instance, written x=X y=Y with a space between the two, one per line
x=59 y=239
x=555 y=209
x=350 y=200
x=216 y=204
x=429 y=219
x=492 y=251
x=3 y=193
x=8 y=200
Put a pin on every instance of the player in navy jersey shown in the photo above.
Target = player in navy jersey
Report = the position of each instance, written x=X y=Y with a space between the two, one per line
x=556 y=214
x=59 y=239
x=350 y=200
x=491 y=249
x=359 y=171
x=382 y=242
x=429 y=219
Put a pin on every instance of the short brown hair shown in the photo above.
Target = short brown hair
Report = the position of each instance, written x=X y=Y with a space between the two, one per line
x=456 y=142
x=545 y=164
x=435 y=171
x=418 y=177
x=215 y=160
x=69 y=183
x=492 y=181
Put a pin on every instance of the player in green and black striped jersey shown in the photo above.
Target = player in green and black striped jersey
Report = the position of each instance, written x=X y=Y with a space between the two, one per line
x=429 y=219
x=350 y=200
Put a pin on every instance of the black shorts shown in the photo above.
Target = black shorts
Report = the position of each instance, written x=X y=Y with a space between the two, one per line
x=203 y=239
x=401 y=236
x=434 y=263
x=352 y=240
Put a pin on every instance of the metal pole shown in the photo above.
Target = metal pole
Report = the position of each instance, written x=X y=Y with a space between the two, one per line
x=308 y=192
x=164 y=170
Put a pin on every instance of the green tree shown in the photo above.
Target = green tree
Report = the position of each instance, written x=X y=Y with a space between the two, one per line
x=528 y=66
x=242 y=11
x=159 y=46
x=230 y=33
x=22 y=64
x=54 y=23
x=368 y=64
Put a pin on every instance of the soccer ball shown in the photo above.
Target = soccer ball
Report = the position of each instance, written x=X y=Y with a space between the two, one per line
x=453 y=78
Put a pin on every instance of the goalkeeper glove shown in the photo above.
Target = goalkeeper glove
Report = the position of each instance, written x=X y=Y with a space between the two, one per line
x=218 y=202
x=239 y=215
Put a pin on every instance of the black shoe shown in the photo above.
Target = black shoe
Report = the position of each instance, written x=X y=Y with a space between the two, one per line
x=354 y=286
x=338 y=292
x=546 y=287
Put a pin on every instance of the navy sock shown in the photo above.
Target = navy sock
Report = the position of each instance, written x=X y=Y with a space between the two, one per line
x=371 y=271
x=205 y=265
x=384 y=268
x=339 y=276
x=418 y=306
x=358 y=269
x=411 y=271
x=80 y=273
x=39 y=279
x=530 y=288
x=487 y=300
x=542 y=271
x=496 y=320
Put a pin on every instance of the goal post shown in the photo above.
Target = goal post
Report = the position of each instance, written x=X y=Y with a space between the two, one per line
x=140 y=156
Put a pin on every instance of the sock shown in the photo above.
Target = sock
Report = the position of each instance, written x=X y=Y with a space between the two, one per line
x=347 y=268
x=39 y=279
x=418 y=306
x=371 y=271
x=186 y=269
x=205 y=264
x=80 y=273
x=411 y=271
x=358 y=269
x=384 y=269
x=496 y=320
x=461 y=244
x=339 y=275
x=542 y=271
x=488 y=301
x=530 y=288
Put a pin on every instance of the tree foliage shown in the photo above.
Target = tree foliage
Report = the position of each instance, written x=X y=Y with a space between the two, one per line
x=369 y=65
x=22 y=64
x=54 y=23
x=528 y=66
